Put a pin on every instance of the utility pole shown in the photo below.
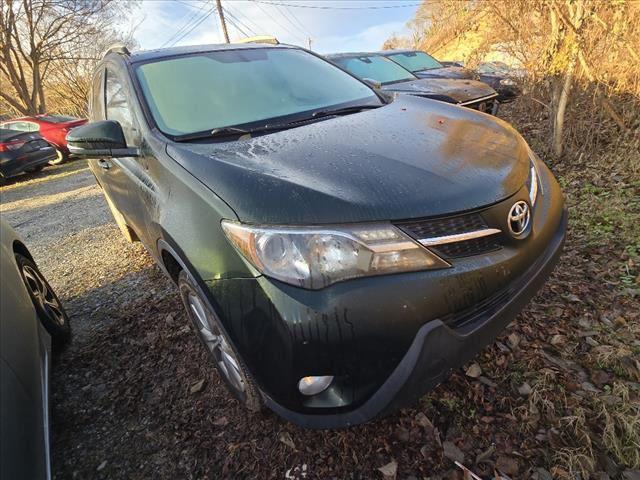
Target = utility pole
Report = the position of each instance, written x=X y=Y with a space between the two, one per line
x=224 y=24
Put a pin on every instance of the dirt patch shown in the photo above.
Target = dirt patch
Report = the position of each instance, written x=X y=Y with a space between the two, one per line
x=556 y=395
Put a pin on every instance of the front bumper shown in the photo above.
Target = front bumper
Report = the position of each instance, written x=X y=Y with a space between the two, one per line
x=387 y=340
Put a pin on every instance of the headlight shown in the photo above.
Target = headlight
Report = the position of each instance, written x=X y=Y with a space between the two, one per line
x=507 y=81
x=315 y=257
x=533 y=181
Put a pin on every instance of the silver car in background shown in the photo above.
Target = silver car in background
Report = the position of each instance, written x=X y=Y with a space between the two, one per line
x=32 y=320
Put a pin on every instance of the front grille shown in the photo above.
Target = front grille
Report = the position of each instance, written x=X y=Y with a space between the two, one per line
x=475 y=246
x=484 y=307
x=442 y=227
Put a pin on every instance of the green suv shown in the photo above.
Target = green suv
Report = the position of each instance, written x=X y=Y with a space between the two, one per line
x=338 y=253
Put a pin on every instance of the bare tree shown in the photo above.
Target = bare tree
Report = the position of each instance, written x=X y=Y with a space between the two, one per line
x=36 y=36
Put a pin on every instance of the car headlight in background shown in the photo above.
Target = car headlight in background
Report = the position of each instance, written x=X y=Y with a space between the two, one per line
x=507 y=82
x=315 y=257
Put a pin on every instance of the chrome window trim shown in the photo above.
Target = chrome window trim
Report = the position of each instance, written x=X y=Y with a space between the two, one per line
x=458 y=237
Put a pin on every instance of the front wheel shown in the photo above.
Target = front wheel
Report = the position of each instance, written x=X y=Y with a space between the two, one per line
x=210 y=331
x=48 y=307
x=61 y=157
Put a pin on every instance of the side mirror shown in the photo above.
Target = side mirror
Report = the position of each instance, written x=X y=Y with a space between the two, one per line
x=99 y=139
x=376 y=85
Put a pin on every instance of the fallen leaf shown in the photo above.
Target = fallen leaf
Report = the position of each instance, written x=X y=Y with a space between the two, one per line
x=390 y=470
x=423 y=421
x=524 y=389
x=102 y=465
x=508 y=465
x=197 y=387
x=452 y=452
x=285 y=438
x=221 y=422
x=474 y=371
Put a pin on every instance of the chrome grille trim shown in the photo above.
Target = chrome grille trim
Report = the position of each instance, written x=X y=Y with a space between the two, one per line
x=458 y=237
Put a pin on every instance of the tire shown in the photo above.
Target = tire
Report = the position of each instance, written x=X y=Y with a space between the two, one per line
x=231 y=368
x=61 y=157
x=47 y=305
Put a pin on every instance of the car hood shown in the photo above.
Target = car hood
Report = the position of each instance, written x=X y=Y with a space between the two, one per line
x=445 y=72
x=458 y=91
x=412 y=158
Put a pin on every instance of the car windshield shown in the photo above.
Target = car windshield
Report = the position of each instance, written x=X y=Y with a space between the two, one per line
x=206 y=91
x=376 y=68
x=487 y=68
x=415 y=61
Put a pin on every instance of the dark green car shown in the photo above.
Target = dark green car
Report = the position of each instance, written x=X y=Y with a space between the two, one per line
x=338 y=254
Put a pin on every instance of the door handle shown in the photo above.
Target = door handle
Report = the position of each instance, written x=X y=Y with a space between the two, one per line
x=104 y=164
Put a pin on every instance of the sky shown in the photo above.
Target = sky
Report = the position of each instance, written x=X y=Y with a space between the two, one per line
x=332 y=25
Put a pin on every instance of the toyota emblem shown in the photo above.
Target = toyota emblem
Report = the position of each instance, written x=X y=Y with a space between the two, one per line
x=519 y=217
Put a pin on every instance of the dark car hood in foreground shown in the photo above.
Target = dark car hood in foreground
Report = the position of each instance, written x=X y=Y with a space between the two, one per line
x=445 y=72
x=412 y=158
x=458 y=91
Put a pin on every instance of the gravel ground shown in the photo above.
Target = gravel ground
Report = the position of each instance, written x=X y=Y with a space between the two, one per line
x=134 y=396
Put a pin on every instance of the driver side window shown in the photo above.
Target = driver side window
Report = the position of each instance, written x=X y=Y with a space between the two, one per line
x=117 y=107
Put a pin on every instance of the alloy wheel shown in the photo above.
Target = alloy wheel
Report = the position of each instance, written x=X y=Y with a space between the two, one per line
x=216 y=343
x=43 y=295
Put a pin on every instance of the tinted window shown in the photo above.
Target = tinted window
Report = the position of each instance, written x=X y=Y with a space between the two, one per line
x=117 y=107
x=200 y=92
x=56 y=118
x=22 y=126
x=415 y=61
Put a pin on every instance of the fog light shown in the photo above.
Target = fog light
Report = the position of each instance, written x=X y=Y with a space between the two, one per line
x=314 y=385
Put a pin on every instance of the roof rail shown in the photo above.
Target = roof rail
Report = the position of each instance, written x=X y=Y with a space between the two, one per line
x=260 y=39
x=119 y=48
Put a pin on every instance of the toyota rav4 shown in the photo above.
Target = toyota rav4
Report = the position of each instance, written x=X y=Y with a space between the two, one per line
x=338 y=253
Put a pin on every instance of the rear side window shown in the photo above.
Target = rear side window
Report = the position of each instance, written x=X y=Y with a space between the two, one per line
x=117 y=107
x=22 y=126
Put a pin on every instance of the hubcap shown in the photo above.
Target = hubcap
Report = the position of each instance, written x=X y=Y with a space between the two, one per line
x=43 y=295
x=216 y=343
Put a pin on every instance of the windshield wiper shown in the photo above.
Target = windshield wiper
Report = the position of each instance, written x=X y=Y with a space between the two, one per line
x=343 y=110
x=270 y=127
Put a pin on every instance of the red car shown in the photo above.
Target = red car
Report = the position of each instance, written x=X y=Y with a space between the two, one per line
x=53 y=128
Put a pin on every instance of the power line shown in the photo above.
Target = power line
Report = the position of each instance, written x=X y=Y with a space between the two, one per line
x=195 y=25
x=328 y=7
x=191 y=19
x=277 y=22
x=282 y=13
x=299 y=22
x=250 y=23
x=234 y=21
x=234 y=15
